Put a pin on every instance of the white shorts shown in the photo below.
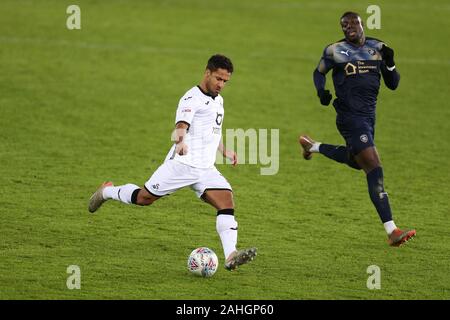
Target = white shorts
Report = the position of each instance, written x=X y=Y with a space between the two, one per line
x=173 y=175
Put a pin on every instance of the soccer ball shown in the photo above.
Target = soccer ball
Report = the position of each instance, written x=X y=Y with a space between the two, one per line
x=203 y=262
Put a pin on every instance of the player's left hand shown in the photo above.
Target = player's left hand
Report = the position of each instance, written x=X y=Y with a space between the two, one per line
x=388 y=55
x=230 y=154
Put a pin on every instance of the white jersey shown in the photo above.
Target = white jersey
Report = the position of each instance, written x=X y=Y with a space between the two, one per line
x=204 y=114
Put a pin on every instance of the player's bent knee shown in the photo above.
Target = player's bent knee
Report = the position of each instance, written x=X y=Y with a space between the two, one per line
x=368 y=159
x=144 y=198
x=351 y=162
x=373 y=163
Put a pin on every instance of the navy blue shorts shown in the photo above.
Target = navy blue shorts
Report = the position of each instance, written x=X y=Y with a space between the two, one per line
x=358 y=132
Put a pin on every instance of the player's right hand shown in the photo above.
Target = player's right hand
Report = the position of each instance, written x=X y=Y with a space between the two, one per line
x=181 y=148
x=325 y=96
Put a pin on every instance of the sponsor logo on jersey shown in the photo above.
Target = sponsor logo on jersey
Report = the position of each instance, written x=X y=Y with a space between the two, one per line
x=219 y=118
x=350 y=69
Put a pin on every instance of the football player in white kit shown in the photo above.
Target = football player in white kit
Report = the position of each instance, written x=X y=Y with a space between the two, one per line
x=190 y=161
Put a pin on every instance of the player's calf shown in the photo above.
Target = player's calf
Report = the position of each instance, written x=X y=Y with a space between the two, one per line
x=128 y=194
x=378 y=195
x=334 y=152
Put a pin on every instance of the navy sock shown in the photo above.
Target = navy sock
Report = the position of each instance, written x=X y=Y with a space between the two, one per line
x=339 y=154
x=377 y=194
x=336 y=153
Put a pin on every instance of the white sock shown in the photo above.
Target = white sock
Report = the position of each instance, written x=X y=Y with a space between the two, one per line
x=315 y=147
x=226 y=227
x=120 y=193
x=389 y=226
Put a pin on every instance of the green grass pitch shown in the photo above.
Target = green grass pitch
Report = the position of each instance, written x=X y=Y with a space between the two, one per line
x=78 y=107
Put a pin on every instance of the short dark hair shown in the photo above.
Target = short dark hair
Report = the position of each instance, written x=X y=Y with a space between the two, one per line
x=219 y=61
x=349 y=13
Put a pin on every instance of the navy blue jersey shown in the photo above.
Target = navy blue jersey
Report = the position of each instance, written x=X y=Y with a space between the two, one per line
x=356 y=75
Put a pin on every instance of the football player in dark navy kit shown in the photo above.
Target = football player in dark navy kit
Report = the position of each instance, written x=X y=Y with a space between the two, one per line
x=357 y=62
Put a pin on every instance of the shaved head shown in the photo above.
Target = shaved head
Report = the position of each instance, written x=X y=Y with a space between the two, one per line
x=350 y=14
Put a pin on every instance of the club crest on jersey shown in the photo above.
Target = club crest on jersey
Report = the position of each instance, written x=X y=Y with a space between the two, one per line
x=364 y=138
x=371 y=52
x=219 y=118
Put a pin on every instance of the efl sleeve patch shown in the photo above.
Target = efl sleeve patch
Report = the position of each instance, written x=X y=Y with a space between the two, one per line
x=186 y=110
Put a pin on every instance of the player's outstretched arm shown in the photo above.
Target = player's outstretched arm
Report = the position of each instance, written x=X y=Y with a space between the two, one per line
x=319 y=82
x=389 y=72
x=326 y=63
x=229 y=154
